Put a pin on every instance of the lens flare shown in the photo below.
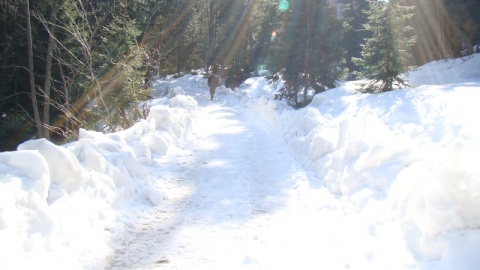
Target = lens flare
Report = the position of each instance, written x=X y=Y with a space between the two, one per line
x=283 y=5
x=274 y=35
x=261 y=67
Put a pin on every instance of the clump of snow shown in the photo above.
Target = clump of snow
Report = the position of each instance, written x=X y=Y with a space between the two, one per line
x=446 y=71
x=412 y=149
x=59 y=204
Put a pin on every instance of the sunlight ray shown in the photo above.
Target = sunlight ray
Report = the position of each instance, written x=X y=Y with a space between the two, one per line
x=227 y=53
x=111 y=79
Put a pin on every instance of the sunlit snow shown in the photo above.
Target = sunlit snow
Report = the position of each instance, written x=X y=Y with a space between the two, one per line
x=352 y=181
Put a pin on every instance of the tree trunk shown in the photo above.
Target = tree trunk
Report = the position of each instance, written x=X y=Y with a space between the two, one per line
x=306 y=63
x=48 y=72
x=318 y=88
x=38 y=121
x=211 y=33
x=124 y=116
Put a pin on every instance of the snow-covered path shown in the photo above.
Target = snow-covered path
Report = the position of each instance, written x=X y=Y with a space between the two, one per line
x=352 y=181
x=231 y=203
x=236 y=198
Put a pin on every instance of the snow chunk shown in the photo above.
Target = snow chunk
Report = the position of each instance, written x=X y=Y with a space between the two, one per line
x=65 y=170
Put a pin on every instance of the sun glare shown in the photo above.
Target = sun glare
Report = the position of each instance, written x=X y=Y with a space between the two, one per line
x=274 y=35
x=283 y=5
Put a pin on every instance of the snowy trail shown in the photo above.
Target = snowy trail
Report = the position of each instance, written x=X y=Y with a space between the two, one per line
x=222 y=195
x=237 y=199
x=391 y=182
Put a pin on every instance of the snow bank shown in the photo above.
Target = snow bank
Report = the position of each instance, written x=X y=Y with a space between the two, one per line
x=410 y=154
x=59 y=204
x=447 y=71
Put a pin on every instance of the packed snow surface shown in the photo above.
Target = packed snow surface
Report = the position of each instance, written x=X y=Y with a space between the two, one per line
x=352 y=181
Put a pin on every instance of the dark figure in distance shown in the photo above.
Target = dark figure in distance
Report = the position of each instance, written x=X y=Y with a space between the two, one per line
x=213 y=81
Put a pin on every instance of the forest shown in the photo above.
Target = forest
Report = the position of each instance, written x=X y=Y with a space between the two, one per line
x=70 y=64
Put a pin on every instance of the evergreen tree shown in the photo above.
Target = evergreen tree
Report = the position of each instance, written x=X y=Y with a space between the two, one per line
x=308 y=50
x=385 y=54
x=465 y=23
x=86 y=67
x=354 y=12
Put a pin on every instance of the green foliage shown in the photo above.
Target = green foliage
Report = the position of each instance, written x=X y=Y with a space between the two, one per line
x=98 y=64
x=104 y=50
x=353 y=13
x=465 y=15
x=461 y=25
x=119 y=87
x=119 y=40
x=308 y=51
x=385 y=54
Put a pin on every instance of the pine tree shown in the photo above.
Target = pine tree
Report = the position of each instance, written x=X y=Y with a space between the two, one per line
x=385 y=54
x=464 y=24
x=308 y=51
x=354 y=12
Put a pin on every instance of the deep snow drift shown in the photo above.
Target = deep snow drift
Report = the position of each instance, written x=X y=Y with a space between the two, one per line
x=391 y=180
